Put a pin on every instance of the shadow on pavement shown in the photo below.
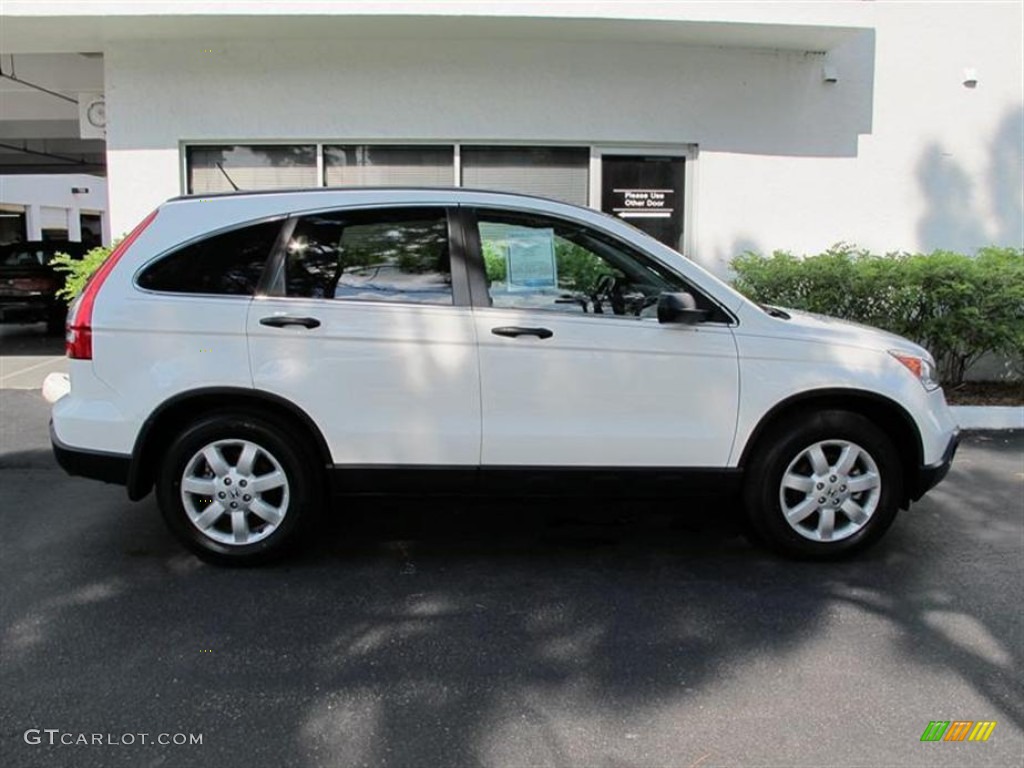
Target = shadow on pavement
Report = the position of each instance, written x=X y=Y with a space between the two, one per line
x=462 y=633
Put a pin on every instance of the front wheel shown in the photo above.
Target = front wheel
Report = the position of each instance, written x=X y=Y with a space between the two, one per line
x=824 y=486
x=237 y=489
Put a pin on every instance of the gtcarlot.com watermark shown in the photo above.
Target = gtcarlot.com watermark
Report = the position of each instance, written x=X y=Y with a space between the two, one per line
x=57 y=737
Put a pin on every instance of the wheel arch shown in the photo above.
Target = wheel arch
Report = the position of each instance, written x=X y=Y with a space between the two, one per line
x=184 y=407
x=882 y=411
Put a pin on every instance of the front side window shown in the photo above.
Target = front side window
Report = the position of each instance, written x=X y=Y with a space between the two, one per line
x=397 y=255
x=226 y=264
x=540 y=263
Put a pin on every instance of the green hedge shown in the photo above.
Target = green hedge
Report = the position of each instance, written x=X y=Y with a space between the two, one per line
x=78 y=270
x=959 y=307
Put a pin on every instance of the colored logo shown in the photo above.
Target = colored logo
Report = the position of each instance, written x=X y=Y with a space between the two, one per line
x=958 y=730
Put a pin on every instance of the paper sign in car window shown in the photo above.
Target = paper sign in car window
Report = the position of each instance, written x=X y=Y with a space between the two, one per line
x=531 y=259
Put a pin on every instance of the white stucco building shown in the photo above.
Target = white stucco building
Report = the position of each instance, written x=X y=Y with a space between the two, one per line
x=767 y=125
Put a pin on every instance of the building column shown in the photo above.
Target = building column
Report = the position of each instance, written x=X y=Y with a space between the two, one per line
x=33 y=222
x=74 y=225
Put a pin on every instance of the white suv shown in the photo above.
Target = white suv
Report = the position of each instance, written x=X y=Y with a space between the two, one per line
x=252 y=355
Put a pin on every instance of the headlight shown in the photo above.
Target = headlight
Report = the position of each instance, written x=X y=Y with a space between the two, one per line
x=922 y=367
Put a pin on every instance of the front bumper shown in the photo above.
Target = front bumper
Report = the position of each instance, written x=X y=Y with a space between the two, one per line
x=96 y=465
x=930 y=475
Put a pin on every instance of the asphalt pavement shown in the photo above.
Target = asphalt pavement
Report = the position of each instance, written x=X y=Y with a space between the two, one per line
x=504 y=634
x=28 y=355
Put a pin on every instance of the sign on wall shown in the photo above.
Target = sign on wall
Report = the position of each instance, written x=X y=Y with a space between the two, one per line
x=646 y=191
x=643 y=203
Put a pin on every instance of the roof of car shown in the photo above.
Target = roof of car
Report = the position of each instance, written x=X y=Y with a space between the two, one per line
x=458 y=191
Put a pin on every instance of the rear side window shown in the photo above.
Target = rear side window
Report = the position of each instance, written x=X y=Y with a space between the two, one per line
x=226 y=264
x=394 y=255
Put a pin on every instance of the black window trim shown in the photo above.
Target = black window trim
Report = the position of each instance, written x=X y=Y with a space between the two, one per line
x=272 y=283
x=180 y=246
x=478 y=273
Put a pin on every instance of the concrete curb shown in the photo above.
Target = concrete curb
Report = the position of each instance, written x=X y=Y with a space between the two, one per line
x=989 y=416
x=56 y=385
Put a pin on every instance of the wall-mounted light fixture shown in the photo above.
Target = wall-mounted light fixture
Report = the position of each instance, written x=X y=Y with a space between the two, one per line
x=829 y=74
x=970 y=77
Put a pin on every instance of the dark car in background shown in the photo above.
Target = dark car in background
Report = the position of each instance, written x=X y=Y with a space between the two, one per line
x=28 y=284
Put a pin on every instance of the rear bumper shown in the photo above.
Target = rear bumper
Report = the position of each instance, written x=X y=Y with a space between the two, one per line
x=95 y=465
x=930 y=475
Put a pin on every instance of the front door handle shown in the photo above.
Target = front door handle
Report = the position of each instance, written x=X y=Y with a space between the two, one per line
x=513 y=331
x=280 y=321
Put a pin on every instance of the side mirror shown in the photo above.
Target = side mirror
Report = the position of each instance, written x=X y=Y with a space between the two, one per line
x=680 y=308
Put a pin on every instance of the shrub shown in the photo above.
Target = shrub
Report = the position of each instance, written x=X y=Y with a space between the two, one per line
x=78 y=270
x=959 y=307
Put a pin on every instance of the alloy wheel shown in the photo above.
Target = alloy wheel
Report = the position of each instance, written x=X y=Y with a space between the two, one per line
x=830 y=490
x=235 y=492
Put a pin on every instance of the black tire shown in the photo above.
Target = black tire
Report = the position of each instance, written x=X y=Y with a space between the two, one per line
x=764 y=493
x=298 y=462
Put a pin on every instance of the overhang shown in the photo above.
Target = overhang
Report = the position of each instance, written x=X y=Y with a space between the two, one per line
x=24 y=31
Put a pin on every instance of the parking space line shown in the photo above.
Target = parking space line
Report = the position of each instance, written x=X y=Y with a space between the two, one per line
x=47 y=361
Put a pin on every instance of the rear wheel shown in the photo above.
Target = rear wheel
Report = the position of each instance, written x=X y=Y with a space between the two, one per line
x=238 y=489
x=823 y=487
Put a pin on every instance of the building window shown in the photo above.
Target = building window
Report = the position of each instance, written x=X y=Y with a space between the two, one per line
x=92 y=228
x=224 y=168
x=389 y=166
x=12 y=225
x=561 y=173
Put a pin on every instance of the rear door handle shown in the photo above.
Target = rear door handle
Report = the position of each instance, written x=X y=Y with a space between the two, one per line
x=513 y=331
x=280 y=321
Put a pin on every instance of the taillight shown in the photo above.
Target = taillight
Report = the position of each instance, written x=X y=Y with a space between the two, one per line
x=78 y=340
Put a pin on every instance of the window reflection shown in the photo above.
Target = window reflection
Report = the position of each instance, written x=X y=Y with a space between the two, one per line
x=395 y=256
x=533 y=262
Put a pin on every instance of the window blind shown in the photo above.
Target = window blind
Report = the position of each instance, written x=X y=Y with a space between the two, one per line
x=389 y=166
x=561 y=173
x=250 y=167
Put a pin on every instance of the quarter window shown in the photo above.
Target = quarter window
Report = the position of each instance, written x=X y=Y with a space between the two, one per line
x=226 y=264
x=391 y=256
